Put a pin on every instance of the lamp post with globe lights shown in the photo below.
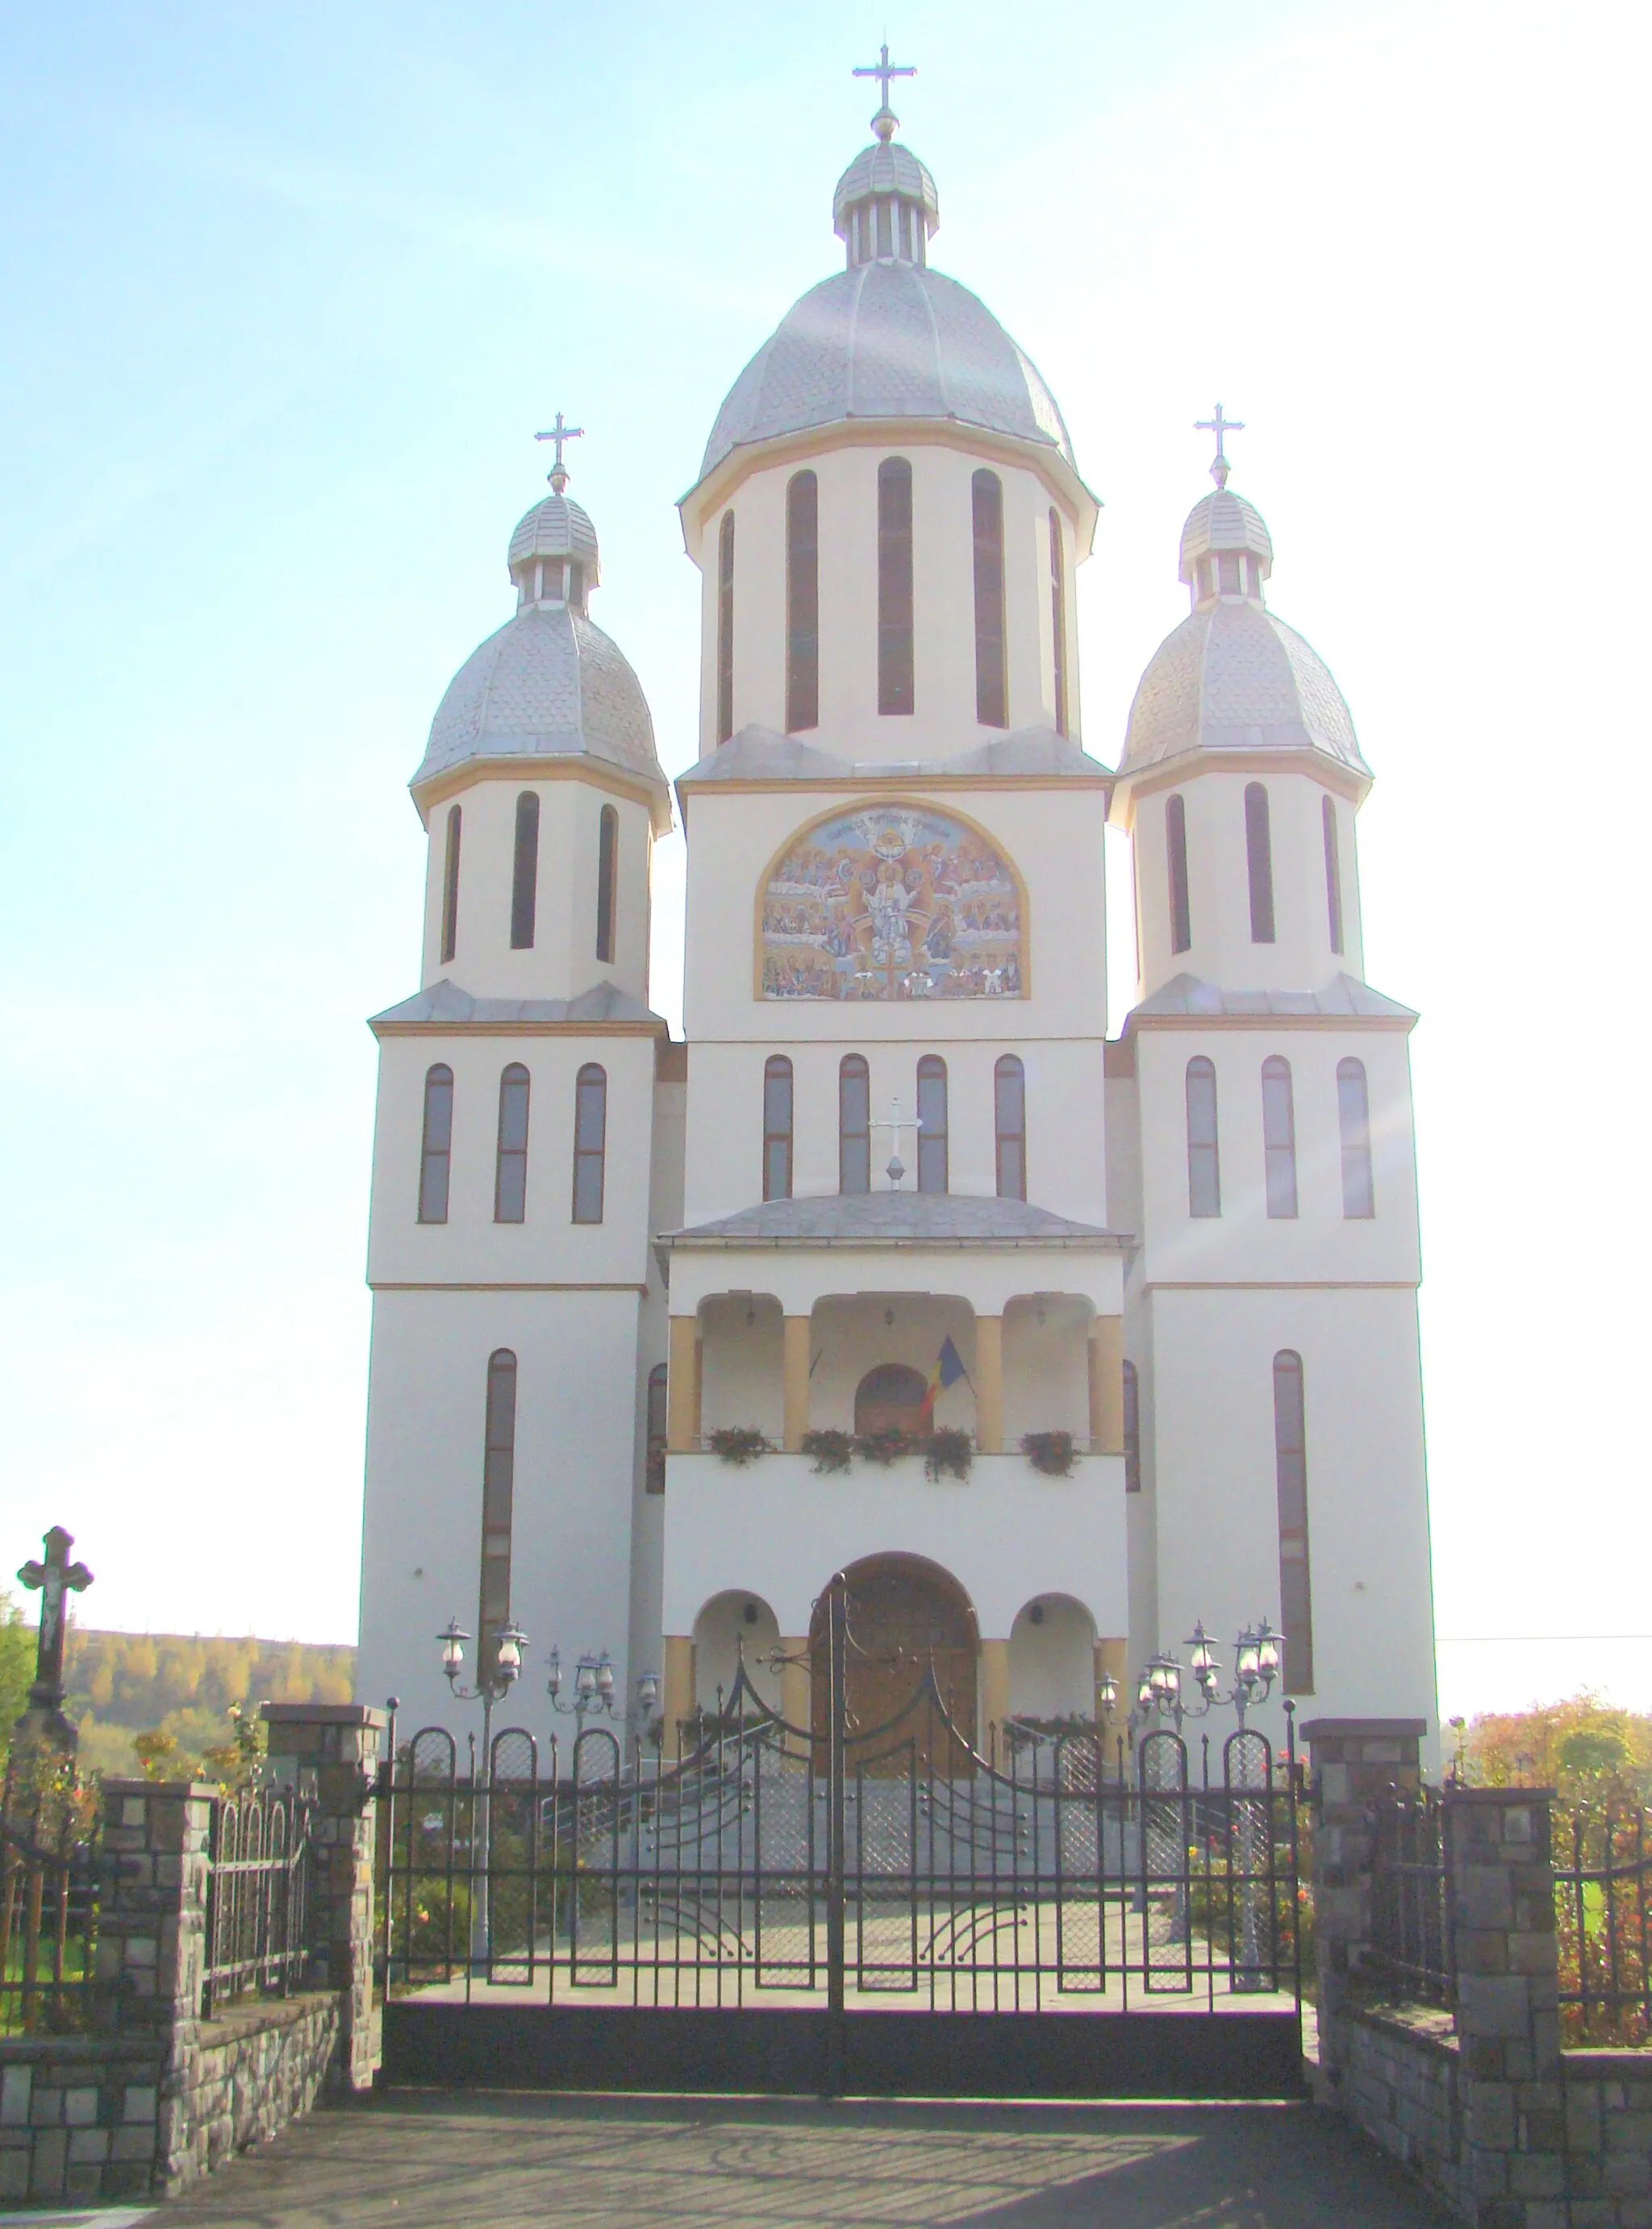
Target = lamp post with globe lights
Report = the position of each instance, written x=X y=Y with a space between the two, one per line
x=490 y=1688
x=1256 y=1662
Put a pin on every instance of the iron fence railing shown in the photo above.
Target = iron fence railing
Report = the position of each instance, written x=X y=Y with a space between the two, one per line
x=1411 y=1949
x=48 y=1905
x=259 y=1860
x=1603 y=1856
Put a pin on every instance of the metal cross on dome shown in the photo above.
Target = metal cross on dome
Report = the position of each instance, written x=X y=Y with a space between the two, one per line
x=1220 y=426
x=885 y=120
x=559 y=432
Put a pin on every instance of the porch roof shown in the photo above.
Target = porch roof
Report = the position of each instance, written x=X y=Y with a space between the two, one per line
x=882 y=1219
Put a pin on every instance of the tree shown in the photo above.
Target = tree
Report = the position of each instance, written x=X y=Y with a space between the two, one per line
x=17 y=1667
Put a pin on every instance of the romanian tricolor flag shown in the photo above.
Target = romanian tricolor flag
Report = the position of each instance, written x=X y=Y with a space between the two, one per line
x=948 y=1368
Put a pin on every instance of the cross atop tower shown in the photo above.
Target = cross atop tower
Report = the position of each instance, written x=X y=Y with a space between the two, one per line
x=559 y=432
x=885 y=120
x=1220 y=426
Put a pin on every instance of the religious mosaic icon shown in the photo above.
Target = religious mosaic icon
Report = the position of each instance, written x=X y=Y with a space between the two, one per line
x=891 y=902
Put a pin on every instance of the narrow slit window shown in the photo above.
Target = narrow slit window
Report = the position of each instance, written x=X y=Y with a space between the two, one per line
x=1279 y=1137
x=725 y=627
x=932 y=1123
x=1181 y=921
x=854 y=1125
x=1058 y=618
x=1132 y=1430
x=608 y=879
x=511 y=1173
x=450 y=885
x=777 y=1127
x=1009 y=1122
x=590 y=1142
x=1291 y=1464
x=992 y=694
x=498 y=1494
x=895 y=682
x=1204 y=1158
x=654 y=1462
x=1333 y=875
x=802 y=603
x=525 y=872
x=1354 y=1112
x=1259 y=862
x=436 y=1152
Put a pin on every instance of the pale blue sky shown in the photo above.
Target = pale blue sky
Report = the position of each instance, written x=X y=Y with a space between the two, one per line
x=285 y=293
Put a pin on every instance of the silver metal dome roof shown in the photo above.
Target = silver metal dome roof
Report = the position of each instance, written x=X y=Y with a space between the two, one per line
x=885 y=168
x=548 y=684
x=1233 y=677
x=555 y=528
x=1223 y=521
x=887 y=339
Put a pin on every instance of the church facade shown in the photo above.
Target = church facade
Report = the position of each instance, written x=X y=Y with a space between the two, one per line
x=646 y=1314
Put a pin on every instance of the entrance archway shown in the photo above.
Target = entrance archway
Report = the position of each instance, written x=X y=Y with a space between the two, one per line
x=905 y=1616
x=890 y=1399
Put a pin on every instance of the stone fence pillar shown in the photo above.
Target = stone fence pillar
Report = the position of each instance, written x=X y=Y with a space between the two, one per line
x=152 y=1915
x=329 y=1752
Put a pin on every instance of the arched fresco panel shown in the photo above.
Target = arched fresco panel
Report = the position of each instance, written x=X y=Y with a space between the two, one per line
x=890 y=900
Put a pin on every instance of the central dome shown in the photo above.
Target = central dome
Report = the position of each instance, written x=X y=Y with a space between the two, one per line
x=887 y=339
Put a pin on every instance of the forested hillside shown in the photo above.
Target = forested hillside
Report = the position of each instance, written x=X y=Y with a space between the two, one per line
x=138 y=1679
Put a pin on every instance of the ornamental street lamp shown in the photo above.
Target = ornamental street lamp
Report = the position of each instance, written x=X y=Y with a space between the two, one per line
x=509 y=1641
x=594 y=1686
x=1257 y=1664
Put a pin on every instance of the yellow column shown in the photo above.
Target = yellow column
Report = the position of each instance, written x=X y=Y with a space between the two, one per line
x=1112 y=1656
x=683 y=1385
x=1107 y=1385
x=796 y=1380
x=989 y=1384
x=795 y=1699
x=994 y=1693
x=676 y=1691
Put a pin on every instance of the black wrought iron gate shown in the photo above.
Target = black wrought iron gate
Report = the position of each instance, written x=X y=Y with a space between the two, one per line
x=844 y=1909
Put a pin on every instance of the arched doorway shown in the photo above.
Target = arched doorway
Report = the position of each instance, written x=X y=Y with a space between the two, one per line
x=890 y=1399
x=905 y=1616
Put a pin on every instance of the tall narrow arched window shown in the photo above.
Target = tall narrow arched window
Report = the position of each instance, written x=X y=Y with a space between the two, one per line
x=802 y=602
x=498 y=1493
x=896 y=691
x=1132 y=1430
x=1333 y=874
x=436 y=1152
x=1009 y=1124
x=1353 y=1112
x=525 y=872
x=1058 y=618
x=992 y=693
x=1259 y=862
x=1290 y=1468
x=608 y=879
x=450 y=884
x=1181 y=919
x=1203 y=1155
x=854 y=1125
x=932 y=1123
x=777 y=1127
x=1279 y=1136
x=725 y=627
x=590 y=1141
x=510 y=1171
x=653 y=1475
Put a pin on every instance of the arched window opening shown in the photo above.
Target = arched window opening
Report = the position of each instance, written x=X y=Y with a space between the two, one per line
x=435 y=1155
x=653 y=1476
x=725 y=627
x=1333 y=874
x=1132 y=1430
x=525 y=872
x=896 y=691
x=1181 y=920
x=498 y=1493
x=1203 y=1157
x=802 y=603
x=1058 y=618
x=854 y=1125
x=1290 y=1466
x=1009 y=1122
x=1279 y=1137
x=991 y=695
x=1354 y=1112
x=777 y=1127
x=891 y=1398
x=511 y=1173
x=450 y=885
x=1259 y=860
x=932 y=1124
x=608 y=879
x=590 y=1142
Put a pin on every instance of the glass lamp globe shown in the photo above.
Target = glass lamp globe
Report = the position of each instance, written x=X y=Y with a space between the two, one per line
x=554 y=1673
x=647 y=1691
x=507 y=1651
x=1268 y=1651
x=1246 y=1660
x=452 y=1639
x=605 y=1680
x=585 y=1679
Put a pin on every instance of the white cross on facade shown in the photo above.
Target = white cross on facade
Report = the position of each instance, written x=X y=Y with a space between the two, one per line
x=894 y=1122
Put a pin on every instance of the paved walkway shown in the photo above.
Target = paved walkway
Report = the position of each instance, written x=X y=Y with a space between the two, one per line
x=422 y=2161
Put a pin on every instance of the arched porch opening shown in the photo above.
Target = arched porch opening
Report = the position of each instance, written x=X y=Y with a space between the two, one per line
x=1052 y=1661
x=905 y=1616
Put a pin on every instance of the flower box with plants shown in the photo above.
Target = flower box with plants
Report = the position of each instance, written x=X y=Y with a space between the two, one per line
x=739 y=1444
x=1052 y=1453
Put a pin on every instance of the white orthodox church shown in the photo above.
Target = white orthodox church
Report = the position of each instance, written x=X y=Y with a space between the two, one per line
x=899 y=1175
